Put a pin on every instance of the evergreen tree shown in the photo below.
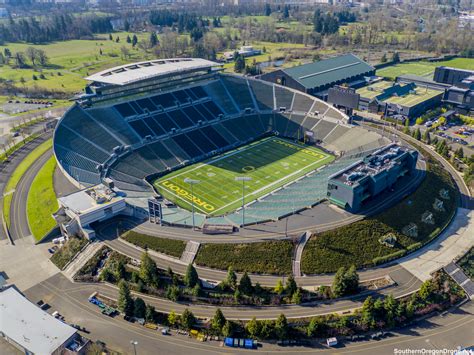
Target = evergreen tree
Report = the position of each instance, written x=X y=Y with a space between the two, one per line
x=187 y=319
x=129 y=40
x=153 y=39
x=134 y=40
x=426 y=137
x=338 y=284
x=268 y=9
x=218 y=321
x=231 y=279
x=110 y=37
x=148 y=272
x=228 y=329
x=139 y=308
x=126 y=26
x=281 y=327
x=367 y=312
x=291 y=286
x=150 y=313
x=286 y=12
x=315 y=326
x=253 y=328
x=191 y=277
x=396 y=57
x=239 y=64
x=384 y=58
x=296 y=297
x=245 y=285
x=417 y=134
x=125 y=301
x=352 y=280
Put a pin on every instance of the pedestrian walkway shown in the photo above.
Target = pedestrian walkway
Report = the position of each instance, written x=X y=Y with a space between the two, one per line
x=189 y=253
x=461 y=279
x=296 y=263
x=81 y=259
x=455 y=240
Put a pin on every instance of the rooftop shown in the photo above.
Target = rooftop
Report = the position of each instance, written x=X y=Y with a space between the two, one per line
x=414 y=97
x=328 y=70
x=29 y=326
x=130 y=73
x=371 y=91
x=87 y=200
x=372 y=165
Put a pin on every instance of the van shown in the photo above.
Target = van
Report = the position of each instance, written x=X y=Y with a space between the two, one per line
x=331 y=341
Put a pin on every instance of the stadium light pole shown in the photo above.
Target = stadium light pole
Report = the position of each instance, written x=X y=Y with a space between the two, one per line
x=134 y=343
x=243 y=179
x=192 y=182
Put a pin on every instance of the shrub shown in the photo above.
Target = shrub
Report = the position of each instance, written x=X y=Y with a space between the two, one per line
x=162 y=245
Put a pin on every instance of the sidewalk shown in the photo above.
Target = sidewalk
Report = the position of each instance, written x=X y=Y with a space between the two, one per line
x=457 y=239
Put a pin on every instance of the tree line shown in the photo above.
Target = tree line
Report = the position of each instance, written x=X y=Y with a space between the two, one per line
x=55 y=28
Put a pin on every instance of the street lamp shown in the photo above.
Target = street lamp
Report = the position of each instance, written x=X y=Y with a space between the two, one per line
x=134 y=343
x=243 y=179
x=192 y=182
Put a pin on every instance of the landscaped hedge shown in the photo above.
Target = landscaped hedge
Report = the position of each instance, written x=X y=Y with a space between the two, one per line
x=171 y=247
x=467 y=263
x=263 y=257
x=358 y=243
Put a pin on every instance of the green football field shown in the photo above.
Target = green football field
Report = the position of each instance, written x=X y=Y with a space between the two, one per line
x=270 y=163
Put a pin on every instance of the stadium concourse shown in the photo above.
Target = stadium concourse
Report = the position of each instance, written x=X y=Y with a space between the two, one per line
x=142 y=121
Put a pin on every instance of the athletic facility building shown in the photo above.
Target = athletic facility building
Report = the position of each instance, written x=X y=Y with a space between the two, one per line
x=391 y=98
x=318 y=77
x=192 y=138
x=367 y=178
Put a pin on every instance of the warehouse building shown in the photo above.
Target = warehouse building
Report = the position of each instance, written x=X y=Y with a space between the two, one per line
x=451 y=76
x=33 y=331
x=367 y=178
x=318 y=77
x=461 y=92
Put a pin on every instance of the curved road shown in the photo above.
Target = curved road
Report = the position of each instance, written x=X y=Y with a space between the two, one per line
x=19 y=227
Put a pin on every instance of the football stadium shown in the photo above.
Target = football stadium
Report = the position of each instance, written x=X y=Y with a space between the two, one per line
x=208 y=147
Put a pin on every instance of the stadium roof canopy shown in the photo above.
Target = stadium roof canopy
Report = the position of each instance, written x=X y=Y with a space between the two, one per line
x=328 y=71
x=130 y=73
x=29 y=326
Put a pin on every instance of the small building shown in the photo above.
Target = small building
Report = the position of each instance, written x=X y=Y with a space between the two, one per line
x=33 y=331
x=79 y=210
x=246 y=51
x=353 y=186
x=461 y=92
x=318 y=77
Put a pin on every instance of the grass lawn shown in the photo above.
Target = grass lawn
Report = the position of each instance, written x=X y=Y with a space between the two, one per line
x=162 y=245
x=72 y=60
x=265 y=257
x=270 y=163
x=42 y=202
x=358 y=243
x=467 y=263
x=18 y=173
x=423 y=68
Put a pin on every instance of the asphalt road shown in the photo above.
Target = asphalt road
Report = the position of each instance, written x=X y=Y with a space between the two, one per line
x=7 y=168
x=19 y=227
x=446 y=331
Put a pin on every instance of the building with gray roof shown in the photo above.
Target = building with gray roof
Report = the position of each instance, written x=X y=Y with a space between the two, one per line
x=318 y=77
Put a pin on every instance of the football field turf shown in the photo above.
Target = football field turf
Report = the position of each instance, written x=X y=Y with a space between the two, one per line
x=270 y=163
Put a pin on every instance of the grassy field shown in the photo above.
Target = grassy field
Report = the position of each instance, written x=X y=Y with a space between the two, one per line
x=358 y=243
x=270 y=163
x=162 y=245
x=424 y=68
x=18 y=173
x=42 y=202
x=266 y=257
x=467 y=263
x=70 y=61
